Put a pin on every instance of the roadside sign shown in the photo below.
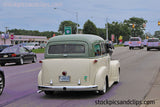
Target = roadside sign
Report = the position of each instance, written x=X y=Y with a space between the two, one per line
x=67 y=30
x=12 y=37
x=112 y=37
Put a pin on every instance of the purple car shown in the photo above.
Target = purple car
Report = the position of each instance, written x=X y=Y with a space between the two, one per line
x=126 y=43
x=153 y=43
x=135 y=42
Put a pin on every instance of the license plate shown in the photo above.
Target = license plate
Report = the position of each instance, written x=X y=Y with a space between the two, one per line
x=5 y=56
x=64 y=78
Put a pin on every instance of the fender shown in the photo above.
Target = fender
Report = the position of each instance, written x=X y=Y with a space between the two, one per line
x=115 y=69
x=100 y=77
x=39 y=78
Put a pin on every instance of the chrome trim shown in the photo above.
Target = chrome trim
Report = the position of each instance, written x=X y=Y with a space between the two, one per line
x=68 y=88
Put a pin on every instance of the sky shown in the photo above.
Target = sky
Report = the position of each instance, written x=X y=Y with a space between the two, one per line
x=41 y=15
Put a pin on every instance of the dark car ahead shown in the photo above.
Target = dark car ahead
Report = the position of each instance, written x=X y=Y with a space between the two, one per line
x=153 y=43
x=3 y=47
x=2 y=81
x=17 y=54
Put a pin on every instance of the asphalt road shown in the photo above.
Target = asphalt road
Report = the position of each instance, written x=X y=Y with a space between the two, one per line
x=138 y=72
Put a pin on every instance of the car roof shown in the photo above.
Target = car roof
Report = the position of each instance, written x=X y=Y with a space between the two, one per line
x=77 y=37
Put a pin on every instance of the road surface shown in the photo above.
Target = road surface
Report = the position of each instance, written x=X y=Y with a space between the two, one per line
x=139 y=69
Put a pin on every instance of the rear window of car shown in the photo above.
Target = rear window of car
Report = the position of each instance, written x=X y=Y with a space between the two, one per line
x=134 y=39
x=10 y=50
x=66 y=49
x=153 y=40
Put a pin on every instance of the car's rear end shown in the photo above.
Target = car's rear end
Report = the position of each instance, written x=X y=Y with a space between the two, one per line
x=66 y=67
x=9 y=55
x=135 y=42
x=153 y=43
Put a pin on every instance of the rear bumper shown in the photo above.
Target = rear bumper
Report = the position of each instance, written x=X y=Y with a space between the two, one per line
x=68 y=88
x=153 y=47
x=9 y=60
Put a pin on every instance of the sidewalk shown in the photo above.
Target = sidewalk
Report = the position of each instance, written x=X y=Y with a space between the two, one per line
x=154 y=93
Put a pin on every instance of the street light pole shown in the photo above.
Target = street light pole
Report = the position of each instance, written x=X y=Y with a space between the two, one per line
x=77 y=21
x=107 y=29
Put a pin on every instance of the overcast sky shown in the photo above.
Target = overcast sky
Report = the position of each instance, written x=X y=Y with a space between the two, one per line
x=41 y=15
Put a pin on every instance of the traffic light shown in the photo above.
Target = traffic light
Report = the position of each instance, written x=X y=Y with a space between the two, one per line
x=158 y=23
x=133 y=26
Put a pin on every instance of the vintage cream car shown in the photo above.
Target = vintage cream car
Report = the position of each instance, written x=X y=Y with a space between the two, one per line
x=77 y=62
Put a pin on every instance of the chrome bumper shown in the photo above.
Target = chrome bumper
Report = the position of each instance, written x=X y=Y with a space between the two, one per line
x=68 y=88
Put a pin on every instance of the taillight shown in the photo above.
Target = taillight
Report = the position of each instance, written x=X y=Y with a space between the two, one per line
x=147 y=44
x=139 y=42
x=95 y=61
x=13 y=55
x=40 y=61
x=64 y=73
x=158 y=43
x=130 y=42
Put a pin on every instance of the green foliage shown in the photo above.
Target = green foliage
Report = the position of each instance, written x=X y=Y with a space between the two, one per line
x=68 y=23
x=89 y=28
x=138 y=22
x=48 y=34
x=101 y=32
x=38 y=50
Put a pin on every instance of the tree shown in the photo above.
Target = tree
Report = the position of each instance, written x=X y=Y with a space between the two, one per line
x=137 y=29
x=89 y=28
x=68 y=23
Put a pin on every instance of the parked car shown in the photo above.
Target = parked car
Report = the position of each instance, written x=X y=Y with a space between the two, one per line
x=3 y=47
x=2 y=81
x=126 y=43
x=42 y=45
x=135 y=42
x=32 y=46
x=81 y=63
x=16 y=54
x=153 y=43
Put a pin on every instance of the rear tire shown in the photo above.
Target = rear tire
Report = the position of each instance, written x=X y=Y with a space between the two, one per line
x=148 y=49
x=105 y=87
x=49 y=92
x=2 y=64
x=34 y=59
x=21 y=62
x=1 y=83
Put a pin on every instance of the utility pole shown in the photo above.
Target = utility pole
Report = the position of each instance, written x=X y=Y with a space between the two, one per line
x=77 y=21
x=5 y=35
x=107 y=29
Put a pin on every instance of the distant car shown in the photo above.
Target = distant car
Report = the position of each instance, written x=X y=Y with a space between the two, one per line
x=3 y=47
x=16 y=54
x=135 y=42
x=32 y=46
x=2 y=81
x=126 y=43
x=42 y=45
x=145 y=42
x=153 y=43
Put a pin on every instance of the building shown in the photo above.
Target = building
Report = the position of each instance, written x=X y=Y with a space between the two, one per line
x=16 y=39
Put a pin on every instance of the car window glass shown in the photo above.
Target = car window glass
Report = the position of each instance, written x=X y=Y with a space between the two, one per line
x=134 y=39
x=23 y=50
x=66 y=49
x=103 y=48
x=10 y=49
x=97 y=49
x=153 y=40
